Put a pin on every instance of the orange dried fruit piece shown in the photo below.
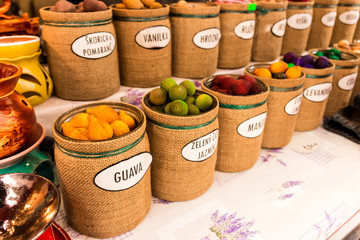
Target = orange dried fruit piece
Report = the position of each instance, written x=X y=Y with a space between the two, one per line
x=104 y=113
x=80 y=120
x=262 y=72
x=98 y=129
x=278 y=67
x=67 y=128
x=73 y=132
x=133 y=4
x=293 y=72
x=126 y=118
x=119 y=128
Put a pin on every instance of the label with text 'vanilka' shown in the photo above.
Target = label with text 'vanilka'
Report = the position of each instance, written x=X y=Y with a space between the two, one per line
x=329 y=19
x=245 y=29
x=94 y=45
x=252 y=127
x=319 y=92
x=202 y=148
x=278 y=29
x=154 y=37
x=293 y=106
x=300 y=21
x=348 y=82
x=208 y=38
x=124 y=174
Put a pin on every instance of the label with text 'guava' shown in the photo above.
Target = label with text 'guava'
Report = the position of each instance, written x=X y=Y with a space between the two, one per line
x=94 y=45
x=319 y=92
x=154 y=37
x=202 y=148
x=348 y=82
x=293 y=106
x=252 y=127
x=208 y=38
x=124 y=174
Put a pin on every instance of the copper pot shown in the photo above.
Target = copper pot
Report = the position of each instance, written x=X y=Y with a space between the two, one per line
x=17 y=116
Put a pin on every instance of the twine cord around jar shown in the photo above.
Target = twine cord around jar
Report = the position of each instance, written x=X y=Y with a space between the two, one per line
x=281 y=89
x=317 y=76
x=348 y=5
x=299 y=7
x=181 y=127
x=234 y=11
x=325 y=6
x=345 y=67
x=78 y=24
x=102 y=154
x=230 y=106
x=263 y=11
x=194 y=16
x=140 y=19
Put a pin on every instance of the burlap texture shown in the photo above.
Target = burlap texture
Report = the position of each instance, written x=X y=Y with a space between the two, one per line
x=311 y=112
x=279 y=125
x=237 y=152
x=342 y=30
x=339 y=98
x=90 y=210
x=173 y=177
x=234 y=51
x=267 y=14
x=140 y=66
x=356 y=89
x=295 y=40
x=320 y=34
x=75 y=77
x=357 y=33
x=189 y=60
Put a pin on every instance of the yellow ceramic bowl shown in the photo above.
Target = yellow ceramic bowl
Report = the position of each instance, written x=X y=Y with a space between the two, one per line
x=17 y=46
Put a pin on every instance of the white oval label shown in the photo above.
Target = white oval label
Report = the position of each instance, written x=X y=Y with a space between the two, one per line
x=293 y=106
x=124 y=174
x=278 y=29
x=208 y=38
x=245 y=30
x=252 y=127
x=202 y=148
x=329 y=19
x=349 y=17
x=153 y=37
x=300 y=21
x=347 y=83
x=94 y=45
x=319 y=92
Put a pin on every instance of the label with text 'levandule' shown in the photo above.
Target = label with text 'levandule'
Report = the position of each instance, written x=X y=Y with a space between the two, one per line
x=319 y=92
x=202 y=148
x=124 y=174
x=94 y=45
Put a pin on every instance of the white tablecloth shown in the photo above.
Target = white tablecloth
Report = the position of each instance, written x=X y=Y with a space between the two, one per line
x=287 y=195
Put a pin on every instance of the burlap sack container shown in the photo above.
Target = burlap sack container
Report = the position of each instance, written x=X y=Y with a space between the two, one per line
x=324 y=15
x=144 y=40
x=346 y=20
x=237 y=26
x=241 y=125
x=317 y=88
x=283 y=105
x=298 y=18
x=344 y=78
x=179 y=173
x=270 y=27
x=82 y=53
x=195 y=37
x=356 y=89
x=357 y=33
x=99 y=202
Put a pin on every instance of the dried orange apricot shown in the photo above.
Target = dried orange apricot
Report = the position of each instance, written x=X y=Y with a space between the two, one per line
x=293 y=72
x=262 y=72
x=278 y=67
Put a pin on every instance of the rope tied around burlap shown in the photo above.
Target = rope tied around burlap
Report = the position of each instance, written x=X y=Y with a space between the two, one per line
x=181 y=127
x=231 y=106
x=78 y=24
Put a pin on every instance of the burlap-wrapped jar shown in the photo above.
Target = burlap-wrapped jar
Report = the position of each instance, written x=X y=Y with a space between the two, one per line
x=298 y=18
x=237 y=27
x=344 y=79
x=317 y=88
x=283 y=106
x=323 y=21
x=241 y=125
x=195 y=39
x=184 y=150
x=357 y=33
x=356 y=89
x=82 y=53
x=144 y=43
x=105 y=184
x=270 y=24
x=346 y=20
